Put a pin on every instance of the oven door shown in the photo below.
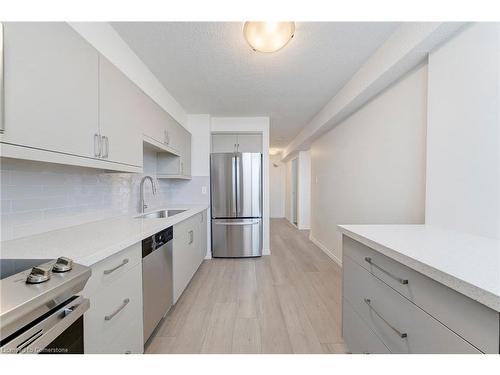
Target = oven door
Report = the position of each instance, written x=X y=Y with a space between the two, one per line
x=59 y=331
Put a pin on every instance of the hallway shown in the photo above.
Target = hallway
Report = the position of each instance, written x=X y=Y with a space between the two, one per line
x=289 y=302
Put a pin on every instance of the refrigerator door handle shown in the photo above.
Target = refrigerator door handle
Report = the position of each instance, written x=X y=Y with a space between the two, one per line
x=237 y=223
x=237 y=184
x=235 y=187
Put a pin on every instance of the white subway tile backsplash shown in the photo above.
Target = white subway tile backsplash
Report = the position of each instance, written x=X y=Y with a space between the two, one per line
x=39 y=197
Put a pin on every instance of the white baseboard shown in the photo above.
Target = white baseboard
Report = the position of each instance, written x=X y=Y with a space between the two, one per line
x=326 y=250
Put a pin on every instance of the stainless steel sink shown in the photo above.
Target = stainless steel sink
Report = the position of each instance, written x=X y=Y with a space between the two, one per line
x=160 y=214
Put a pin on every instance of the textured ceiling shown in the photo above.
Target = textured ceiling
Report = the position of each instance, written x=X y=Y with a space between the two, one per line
x=209 y=68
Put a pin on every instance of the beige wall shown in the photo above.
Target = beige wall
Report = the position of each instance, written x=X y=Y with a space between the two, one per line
x=371 y=167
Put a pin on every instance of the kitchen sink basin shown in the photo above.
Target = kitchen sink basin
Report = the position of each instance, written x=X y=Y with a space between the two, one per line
x=160 y=214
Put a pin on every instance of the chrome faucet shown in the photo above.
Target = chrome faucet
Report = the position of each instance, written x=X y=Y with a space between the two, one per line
x=142 y=203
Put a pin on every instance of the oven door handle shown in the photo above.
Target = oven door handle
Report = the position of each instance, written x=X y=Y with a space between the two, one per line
x=67 y=316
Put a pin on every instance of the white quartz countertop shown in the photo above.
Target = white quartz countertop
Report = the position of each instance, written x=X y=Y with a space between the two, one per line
x=466 y=263
x=92 y=242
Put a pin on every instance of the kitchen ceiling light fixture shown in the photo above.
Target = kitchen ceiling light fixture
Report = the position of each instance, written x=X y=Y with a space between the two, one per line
x=268 y=37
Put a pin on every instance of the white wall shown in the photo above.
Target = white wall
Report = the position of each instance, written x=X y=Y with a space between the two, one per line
x=370 y=169
x=252 y=124
x=277 y=175
x=463 y=132
x=405 y=49
x=39 y=197
x=304 y=190
x=199 y=126
x=288 y=190
x=107 y=41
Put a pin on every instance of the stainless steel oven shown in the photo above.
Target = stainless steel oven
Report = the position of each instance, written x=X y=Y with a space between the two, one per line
x=41 y=311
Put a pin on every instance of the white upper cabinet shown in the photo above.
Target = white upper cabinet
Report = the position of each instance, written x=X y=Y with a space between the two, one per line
x=242 y=142
x=67 y=104
x=120 y=116
x=154 y=124
x=224 y=142
x=249 y=143
x=51 y=85
x=169 y=166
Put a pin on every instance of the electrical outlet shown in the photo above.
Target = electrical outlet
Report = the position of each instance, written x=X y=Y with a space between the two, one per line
x=204 y=190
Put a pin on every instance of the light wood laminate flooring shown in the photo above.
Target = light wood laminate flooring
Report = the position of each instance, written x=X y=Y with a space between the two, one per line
x=288 y=302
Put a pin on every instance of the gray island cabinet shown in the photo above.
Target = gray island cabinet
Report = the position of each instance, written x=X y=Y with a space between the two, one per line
x=389 y=307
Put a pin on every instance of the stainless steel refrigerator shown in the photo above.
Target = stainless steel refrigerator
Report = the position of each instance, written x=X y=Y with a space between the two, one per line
x=236 y=195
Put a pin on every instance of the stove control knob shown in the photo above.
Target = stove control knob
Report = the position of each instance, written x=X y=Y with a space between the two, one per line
x=62 y=264
x=38 y=275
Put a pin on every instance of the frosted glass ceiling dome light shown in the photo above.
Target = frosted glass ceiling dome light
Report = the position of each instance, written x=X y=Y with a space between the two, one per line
x=268 y=36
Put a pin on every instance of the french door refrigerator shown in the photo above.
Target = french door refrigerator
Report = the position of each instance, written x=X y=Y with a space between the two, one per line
x=236 y=197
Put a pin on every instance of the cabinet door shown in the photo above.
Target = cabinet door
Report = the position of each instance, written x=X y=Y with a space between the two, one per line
x=186 y=154
x=185 y=253
x=153 y=124
x=113 y=324
x=249 y=143
x=224 y=142
x=203 y=235
x=120 y=117
x=51 y=86
x=175 y=133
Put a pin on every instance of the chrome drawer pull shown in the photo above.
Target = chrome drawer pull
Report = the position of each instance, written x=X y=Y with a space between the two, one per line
x=402 y=335
x=107 y=272
x=111 y=316
x=400 y=280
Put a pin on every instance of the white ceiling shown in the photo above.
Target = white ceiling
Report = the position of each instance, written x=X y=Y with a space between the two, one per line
x=209 y=68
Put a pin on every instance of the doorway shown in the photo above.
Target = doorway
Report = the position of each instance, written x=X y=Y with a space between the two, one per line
x=294 y=190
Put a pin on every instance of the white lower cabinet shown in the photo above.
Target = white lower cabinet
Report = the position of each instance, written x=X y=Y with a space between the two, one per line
x=189 y=239
x=358 y=336
x=203 y=235
x=113 y=324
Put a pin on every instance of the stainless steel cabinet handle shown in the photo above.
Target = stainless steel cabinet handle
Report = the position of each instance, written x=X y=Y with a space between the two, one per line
x=105 y=152
x=238 y=223
x=191 y=237
x=107 y=272
x=166 y=137
x=111 y=316
x=97 y=145
x=400 y=280
x=402 y=335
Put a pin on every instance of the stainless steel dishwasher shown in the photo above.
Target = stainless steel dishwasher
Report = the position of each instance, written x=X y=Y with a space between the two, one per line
x=157 y=285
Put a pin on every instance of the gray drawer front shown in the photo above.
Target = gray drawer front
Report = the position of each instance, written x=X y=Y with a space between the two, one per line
x=389 y=309
x=357 y=336
x=473 y=321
